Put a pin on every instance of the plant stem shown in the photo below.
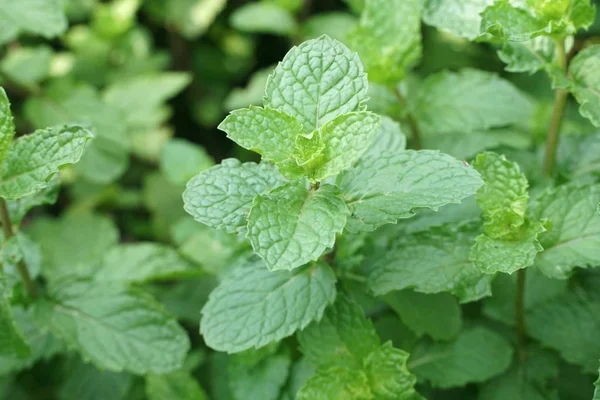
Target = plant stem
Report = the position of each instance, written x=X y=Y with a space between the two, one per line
x=520 y=315
x=410 y=120
x=9 y=233
x=560 y=101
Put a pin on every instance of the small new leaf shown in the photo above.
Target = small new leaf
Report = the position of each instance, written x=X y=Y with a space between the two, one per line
x=221 y=196
x=236 y=319
x=34 y=158
x=292 y=225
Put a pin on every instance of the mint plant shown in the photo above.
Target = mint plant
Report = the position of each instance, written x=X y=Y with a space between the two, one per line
x=285 y=199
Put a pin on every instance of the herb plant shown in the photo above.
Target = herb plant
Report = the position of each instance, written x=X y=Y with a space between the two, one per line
x=406 y=206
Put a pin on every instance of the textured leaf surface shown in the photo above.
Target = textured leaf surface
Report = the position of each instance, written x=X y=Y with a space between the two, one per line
x=221 y=196
x=585 y=71
x=115 y=327
x=143 y=262
x=568 y=324
x=436 y=315
x=316 y=82
x=433 y=261
x=460 y=17
x=292 y=225
x=74 y=244
x=504 y=22
x=253 y=306
x=469 y=100
x=530 y=56
x=382 y=22
x=389 y=377
x=336 y=383
x=573 y=239
x=7 y=126
x=12 y=341
x=41 y=17
x=343 y=337
x=476 y=355
x=34 y=158
x=174 y=385
x=383 y=188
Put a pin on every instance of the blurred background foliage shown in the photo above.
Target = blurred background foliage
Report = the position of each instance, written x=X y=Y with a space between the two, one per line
x=153 y=79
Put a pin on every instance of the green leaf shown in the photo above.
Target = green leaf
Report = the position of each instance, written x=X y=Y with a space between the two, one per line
x=344 y=336
x=39 y=17
x=573 y=239
x=435 y=315
x=567 y=324
x=460 y=17
x=33 y=159
x=179 y=385
x=7 y=127
x=334 y=24
x=18 y=208
x=262 y=381
x=263 y=18
x=106 y=159
x=73 y=244
x=382 y=22
x=597 y=390
x=252 y=93
x=530 y=56
x=525 y=382
x=86 y=382
x=389 y=377
x=12 y=341
x=189 y=17
x=504 y=22
x=491 y=255
x=433 y=261
x=27 y=66
x=585 y=72
x=291 y=226
x=141 y=99
x=337 y=383
x=503 y=199
x=181 y=160
x=539 y=289
x=468 y=100
x=221 y=196
x=477 y=355
x=281 y=302
x=116 y=327
x=143 y=262
x=383 y=188
x=316 y=82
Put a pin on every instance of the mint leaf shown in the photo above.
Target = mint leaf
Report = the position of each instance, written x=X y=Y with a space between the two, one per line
x=20 y=207
x=467 y=101
x=460 y=17
x=27 y=66
x=291 y=225
x=584 y=70
x=336 y=383
x=316 y=82
x=344 y=337
x=567 y=324
x=436 y=315
x=34 y=158
x=7 y=126
x=504 y=22
x=11 y=338
x=181 y=160
x=384 y=188
x=530 y=56
x=174 y=385
x=433 y=261
x=263 y=380
x=143 y=262
x=41 y=17
x=221 y=196
x=270 y=133
x=476 y=355
x=263 y=18
x=118 y=328
x=281 y=302
x=389 y=377
x=86 y=382
x=492 y=255
x=344 y=140
x=573 y=238
x=73 y=244
x=382 y=22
